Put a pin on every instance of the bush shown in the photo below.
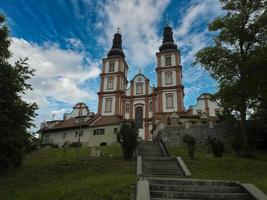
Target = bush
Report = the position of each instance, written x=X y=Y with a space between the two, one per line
x=191 y=145
x=127 y=137
x=217 y=147
x=75 y=144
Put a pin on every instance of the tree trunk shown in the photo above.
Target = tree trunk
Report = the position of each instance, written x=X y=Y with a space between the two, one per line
x=243 y=127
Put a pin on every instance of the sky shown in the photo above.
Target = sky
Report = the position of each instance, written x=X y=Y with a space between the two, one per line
x=65 y=41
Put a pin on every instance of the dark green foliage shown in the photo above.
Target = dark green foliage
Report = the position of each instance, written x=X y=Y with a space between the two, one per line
x=75 y=144
x=191 y=145
x=237 y=60
x=32 y=143
x=127 y=137
x=217 y=147
x=15 y=114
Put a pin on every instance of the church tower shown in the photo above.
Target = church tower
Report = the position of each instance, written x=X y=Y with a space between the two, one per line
x=169 y=76
x=113 y=80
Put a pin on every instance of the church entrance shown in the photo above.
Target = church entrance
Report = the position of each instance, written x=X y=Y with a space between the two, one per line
x=139 y=117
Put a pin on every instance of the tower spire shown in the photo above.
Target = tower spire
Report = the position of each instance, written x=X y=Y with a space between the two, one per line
x=116 y=48
x=168 y=42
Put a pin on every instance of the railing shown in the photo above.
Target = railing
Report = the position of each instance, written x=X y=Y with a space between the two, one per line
x=162 y=145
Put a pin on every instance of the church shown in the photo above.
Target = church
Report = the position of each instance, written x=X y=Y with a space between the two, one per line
x=118 y=99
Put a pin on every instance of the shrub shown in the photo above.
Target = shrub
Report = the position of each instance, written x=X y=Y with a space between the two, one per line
x=217 y=147
x=191 y=145
x=75 y=144
x=127 y=137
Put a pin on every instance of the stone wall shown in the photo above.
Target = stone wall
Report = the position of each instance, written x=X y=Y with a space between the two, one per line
x=174 y=136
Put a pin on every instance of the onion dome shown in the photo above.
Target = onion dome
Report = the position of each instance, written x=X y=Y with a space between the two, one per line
x=168 y=42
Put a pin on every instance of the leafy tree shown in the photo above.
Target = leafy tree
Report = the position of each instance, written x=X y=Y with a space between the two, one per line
x=191 y=145
x=237 y=60
x=127 y=137
x=15 y=114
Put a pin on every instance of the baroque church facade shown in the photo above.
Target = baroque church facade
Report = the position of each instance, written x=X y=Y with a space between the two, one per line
x=146 y=105
x=141 y=102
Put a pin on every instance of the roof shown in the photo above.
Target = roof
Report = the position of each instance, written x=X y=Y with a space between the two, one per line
x=95 y=121
x=66 y=124
x=106 y=120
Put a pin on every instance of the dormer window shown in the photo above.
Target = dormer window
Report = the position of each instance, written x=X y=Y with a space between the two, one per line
x=168 y=61
x=111 y=67
x=168 y=78
x=139 y=88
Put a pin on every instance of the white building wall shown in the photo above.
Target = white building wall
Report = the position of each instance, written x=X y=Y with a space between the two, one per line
x=212 y=107
x=199 y=106
x=173 y=59
x=87 y=139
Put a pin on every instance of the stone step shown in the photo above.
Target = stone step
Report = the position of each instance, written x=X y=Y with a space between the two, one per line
x=192 y=182
x=188 y=188
x=172 y=199
x=199 y=195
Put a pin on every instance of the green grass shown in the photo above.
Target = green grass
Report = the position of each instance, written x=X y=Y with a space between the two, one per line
x=229 y=167
x=48 y=174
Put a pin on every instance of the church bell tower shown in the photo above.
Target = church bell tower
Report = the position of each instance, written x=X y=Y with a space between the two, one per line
x=113 y=80
x=169 y=75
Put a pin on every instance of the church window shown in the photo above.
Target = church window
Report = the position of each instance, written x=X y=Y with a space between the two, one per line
x=150 y=106
x=168 y=78
x=115 y=130
x=108 y=105
x=127 y=107
x=111 y=67
x=110 y=83
x=100 y=131
x=139 y=88
x=168 y=61
x=47 y=138
x=169 y=101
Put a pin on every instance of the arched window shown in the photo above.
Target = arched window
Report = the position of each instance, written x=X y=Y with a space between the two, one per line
x=139 y=117
x=169 y=101
x=108 y=105
x=150 y=106
x=168 y=78
x=111 y=67
x=168 y=61
x=110 y=83
x=139 y=88
x=127 y=107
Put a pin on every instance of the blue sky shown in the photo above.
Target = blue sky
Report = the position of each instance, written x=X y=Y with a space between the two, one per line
x=66 y=40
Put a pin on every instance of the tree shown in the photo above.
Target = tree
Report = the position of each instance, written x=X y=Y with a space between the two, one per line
x=191 y=145
x=127 y=137
x=15 y=114
x=236 y=57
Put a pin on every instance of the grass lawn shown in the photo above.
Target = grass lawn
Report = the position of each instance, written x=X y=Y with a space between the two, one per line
x=47 y=174
x=229 y=167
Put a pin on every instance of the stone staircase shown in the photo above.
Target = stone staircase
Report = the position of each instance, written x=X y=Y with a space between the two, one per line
x=155 y=164
x=168 y=189
x=164 y=178
x=161 y=167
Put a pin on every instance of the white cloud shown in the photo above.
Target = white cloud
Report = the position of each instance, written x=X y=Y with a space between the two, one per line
x=197 y=12
x=138 y=22
x=58 y=74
